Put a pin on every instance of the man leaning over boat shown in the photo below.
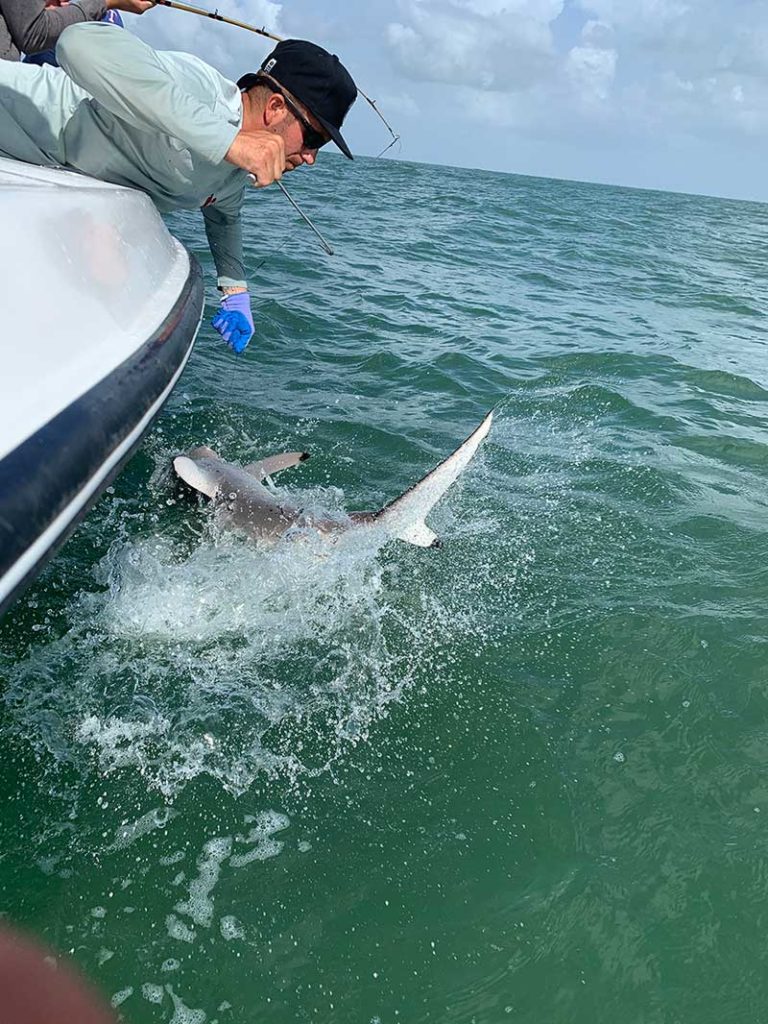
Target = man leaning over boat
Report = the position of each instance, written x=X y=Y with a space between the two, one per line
x=174 y=127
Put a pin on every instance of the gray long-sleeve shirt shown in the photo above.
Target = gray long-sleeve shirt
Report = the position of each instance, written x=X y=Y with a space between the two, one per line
x=27 y=26
x=122 y=112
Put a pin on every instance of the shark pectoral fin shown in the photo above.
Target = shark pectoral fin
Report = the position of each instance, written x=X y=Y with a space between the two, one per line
x=194 y=475
x=273 y=464
x=420 y=535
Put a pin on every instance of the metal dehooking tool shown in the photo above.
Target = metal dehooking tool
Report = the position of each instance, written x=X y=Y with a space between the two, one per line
x=304 y=217
x=298 y=210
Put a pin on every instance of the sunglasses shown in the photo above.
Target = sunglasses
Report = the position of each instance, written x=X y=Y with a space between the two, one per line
x=310 y=136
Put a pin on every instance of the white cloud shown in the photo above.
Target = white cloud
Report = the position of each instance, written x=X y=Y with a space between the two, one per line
x=699 y=38
x=637 y=66
x=589 y=67
x=487 y=44
x=399 y=103
x=689 y=66
x=592 y=70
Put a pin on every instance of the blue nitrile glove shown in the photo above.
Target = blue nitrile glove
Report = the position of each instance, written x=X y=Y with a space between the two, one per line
x=234 y=321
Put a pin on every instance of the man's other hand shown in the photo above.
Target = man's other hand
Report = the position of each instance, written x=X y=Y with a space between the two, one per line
x=262 y=153
x=129 y=6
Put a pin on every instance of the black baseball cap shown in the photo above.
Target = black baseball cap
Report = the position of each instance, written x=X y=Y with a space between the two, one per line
x=316 y=78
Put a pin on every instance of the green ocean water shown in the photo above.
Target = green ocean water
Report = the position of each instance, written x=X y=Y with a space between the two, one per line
x=521 y=778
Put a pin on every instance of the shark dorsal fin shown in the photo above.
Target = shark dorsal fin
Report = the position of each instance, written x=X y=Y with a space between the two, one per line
x=274 y=463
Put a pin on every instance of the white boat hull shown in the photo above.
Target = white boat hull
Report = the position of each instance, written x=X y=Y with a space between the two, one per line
x=100 y=306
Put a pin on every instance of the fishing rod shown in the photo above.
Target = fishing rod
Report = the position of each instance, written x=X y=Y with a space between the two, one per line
x=203 y=13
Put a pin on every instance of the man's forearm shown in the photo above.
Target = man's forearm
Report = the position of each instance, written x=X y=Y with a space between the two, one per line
x=225 y=240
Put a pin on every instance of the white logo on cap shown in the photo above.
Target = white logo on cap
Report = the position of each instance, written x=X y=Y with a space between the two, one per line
x=269 y=65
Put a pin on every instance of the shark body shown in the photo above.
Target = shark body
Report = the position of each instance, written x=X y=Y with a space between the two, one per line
x=246 y=504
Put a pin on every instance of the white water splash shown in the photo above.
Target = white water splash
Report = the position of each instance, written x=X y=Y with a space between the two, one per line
x=199 y=905
x=215 y=657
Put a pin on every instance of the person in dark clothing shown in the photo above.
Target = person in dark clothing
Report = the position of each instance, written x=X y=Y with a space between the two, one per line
x=29 y=26
x=49 y=56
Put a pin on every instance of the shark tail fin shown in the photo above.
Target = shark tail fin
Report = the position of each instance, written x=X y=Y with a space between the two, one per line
x=275 y=463
x=404 y=517
x=194 y=475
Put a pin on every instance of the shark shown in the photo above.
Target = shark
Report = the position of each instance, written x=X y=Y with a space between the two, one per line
x=244 y=502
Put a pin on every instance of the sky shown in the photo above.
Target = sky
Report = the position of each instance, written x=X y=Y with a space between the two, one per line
x=661 y=94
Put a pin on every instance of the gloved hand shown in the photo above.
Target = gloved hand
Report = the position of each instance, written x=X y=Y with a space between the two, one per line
x=234 y=321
